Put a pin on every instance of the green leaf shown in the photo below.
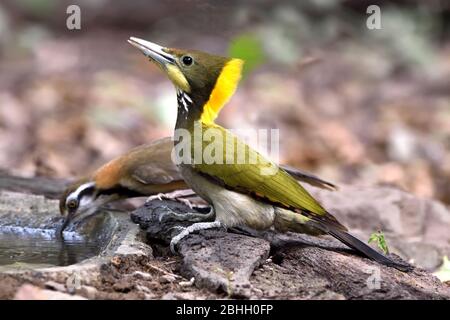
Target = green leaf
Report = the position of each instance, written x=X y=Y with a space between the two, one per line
x=249 y=48
x=380 y=240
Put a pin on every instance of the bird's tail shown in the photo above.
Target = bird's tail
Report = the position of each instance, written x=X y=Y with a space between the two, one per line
x=363 y=248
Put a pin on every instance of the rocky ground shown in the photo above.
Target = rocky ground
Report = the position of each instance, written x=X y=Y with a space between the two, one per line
x=235 y=264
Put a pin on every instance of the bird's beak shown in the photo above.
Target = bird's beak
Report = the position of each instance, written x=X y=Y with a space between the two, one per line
x=81 y=214
x=67 y=220
x=153 y=51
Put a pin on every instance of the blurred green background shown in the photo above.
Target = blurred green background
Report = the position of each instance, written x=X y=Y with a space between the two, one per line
x=353 y=105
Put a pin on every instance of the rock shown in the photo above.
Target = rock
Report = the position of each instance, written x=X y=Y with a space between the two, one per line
x=318 y=273
x=167 y=278
x=189 y=283
x=88 y=292
x=142 y=275
x=51 y=188
x=30 y=292
x=55 y=286
x=18 y=209
x=220 y=260
x=144 y=289
x=123 y=285
x=415 y=228
x=301 y=266
x=183 y=296
x=216 y=259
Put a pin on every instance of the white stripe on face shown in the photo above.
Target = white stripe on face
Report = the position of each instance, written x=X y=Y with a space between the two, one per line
x=74 y=195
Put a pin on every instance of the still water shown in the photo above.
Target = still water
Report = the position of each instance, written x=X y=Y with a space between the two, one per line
x=20 y=245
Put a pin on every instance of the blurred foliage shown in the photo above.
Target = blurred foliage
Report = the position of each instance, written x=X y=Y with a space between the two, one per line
x=248 y=48
x=38 y=7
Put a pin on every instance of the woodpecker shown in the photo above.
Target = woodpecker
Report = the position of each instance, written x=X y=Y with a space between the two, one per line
x=240 y=194
x=146 y=170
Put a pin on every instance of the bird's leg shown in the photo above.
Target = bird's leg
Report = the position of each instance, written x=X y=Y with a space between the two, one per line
x=188 y=216
x=191 y=229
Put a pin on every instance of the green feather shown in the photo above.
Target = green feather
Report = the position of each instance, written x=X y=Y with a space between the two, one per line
x=279 y=187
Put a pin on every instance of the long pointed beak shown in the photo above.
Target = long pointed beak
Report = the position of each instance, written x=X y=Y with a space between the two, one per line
x=66 y=222
x=153 y=51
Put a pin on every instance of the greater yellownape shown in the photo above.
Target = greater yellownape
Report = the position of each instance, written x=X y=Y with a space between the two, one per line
x=240 y=194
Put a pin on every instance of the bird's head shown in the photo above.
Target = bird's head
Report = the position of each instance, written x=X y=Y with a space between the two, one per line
x=204 y=82
x=80 y=200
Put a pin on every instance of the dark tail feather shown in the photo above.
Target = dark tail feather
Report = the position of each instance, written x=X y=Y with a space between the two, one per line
x=309 y=178
x=360 y=246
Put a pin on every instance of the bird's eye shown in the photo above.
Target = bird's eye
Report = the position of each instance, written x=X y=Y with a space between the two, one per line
x=187 y=60
x=72 y=204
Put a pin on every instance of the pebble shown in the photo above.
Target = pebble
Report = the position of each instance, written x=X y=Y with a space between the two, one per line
x=55 y=286
x=143 y=289
x=88 y=291
x=189 y=283
x=142 y=275
x=167 y=278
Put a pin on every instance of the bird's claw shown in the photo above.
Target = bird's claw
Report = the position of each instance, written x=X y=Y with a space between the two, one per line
x=158 y=196
x=161 y=196
x=173 y=247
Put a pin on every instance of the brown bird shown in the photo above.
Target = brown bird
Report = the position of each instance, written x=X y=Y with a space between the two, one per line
x=143 y=171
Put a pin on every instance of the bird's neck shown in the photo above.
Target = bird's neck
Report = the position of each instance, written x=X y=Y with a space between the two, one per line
x=190 y=109
x=204 y=103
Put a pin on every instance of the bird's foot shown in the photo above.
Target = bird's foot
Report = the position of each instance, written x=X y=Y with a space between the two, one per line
x=191 y=229
x=158 y=196
x=176 y=195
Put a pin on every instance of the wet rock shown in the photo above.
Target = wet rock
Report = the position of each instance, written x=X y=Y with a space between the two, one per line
x=20 y=209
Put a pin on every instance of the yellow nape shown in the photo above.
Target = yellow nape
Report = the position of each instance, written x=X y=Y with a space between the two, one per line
x=224 y=88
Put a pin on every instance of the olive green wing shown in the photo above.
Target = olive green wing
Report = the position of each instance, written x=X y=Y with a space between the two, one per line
x=254 y=175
